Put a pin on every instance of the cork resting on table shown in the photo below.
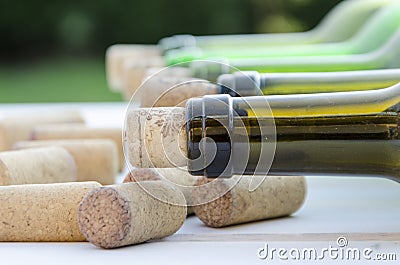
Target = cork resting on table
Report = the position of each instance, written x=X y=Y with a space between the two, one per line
x=277 y=196
x=42 y=212
x=180 y=178
x=96 y=159
x=134 y=72
x=18 y=127
x=50 y=132
x=117 y=54
x=126 y=214
x=37 y=165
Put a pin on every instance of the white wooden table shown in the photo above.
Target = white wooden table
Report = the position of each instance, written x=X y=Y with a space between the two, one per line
x=366 y=211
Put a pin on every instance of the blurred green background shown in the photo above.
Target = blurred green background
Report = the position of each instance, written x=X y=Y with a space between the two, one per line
x=53 y=51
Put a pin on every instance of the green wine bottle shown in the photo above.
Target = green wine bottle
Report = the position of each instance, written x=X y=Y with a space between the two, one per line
x=252 y=83
x=371 y=36
x=340 y=24
x=386 y=57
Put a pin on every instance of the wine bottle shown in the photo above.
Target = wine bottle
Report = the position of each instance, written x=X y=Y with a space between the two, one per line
x=252 y=83
x=376 y=31
x=340 y=24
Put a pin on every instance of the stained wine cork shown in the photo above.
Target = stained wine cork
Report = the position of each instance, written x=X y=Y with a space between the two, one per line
x=277 y=196
x=15 y=128
x=174 y=91
x=96 y=159
x=134 y=72
x=142 y=174
x=37 y=166
x=117 y=54
x=126 y=214
x=156 y=137
x=175 y=176
x=50 y=132
x=42 y=212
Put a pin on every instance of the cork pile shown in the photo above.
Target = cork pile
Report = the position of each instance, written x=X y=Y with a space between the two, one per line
x=58 y=184
x=52 y=171
x=156 y=146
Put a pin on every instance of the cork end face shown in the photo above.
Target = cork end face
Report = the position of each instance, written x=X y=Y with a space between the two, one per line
x=155 y=138
x=104 y=218
x=214 y=213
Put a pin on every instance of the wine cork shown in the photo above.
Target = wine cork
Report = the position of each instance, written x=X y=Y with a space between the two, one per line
x=175 y=71
x=174 y=91
x=14 y=128
x=277 y=196
x=42 y=212
x=156 y=137
x=50 y=132
x=142 y=174
x=116 y=56
x=177 y=177
x=37 y=166
x=96 y=159
x=134 y=72
x=126 y=214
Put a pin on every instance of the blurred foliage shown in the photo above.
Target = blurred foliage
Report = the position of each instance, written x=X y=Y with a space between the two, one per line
x=44 y=27
x=61 y=80
x=38 y=36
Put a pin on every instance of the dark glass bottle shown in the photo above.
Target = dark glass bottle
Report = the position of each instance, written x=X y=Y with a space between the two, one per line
x=223 y=140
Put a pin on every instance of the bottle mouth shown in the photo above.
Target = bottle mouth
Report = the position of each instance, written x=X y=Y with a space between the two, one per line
x=241 y=84
x=209 y=130
x=210 y=69
x=177 y=42
x=224 y=138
